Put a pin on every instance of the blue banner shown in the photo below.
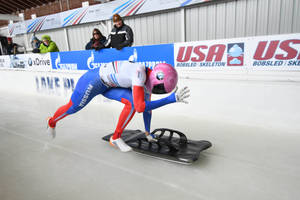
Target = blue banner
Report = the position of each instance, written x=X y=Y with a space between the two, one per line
x=90 y=59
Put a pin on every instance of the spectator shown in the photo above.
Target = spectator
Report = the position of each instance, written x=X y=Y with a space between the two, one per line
x=97 y=42
x=121 y=35
x=48 y=45
x=35 y=43
x=12 y=48
x=3 y=45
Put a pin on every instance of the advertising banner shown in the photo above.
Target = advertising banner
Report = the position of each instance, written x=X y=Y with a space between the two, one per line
x=16 y=28
x=265 y=52
x=43 y=23
x=73 y=17
x=97 y=12
x=19 y=61
x=39 y=61
x=86 y=60
x=27 y=61
x=277 y=50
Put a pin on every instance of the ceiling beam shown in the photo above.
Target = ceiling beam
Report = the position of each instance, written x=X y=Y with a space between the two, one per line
x=3 y=11
x=26 y=2
x=16 y=5
x=6 y=7
x=40 y=2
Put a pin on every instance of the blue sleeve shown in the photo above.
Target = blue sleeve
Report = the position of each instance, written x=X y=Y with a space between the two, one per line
x=147 y=115
x=151 y=105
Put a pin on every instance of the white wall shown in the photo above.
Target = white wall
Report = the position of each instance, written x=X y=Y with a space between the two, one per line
x=242 y=18
x=157 y=28
x=4 y=31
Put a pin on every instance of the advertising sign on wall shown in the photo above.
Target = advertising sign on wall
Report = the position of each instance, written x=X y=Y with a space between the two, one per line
x=39 y=61
x=86 y=60
x=16 y=28
x=19 y=61
x=95 y=13
x=282 y=50
x=43 y=23
x=277 y=50
x=27 y=61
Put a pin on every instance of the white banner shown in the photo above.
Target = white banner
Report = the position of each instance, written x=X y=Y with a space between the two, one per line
x=18 y=61
x=43 y=23
x=97 y=12
x=39 y=61
x=264 y=51
x=27 y=61
x=16 y=28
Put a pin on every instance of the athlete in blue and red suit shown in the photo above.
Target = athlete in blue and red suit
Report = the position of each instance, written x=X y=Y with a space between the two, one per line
x=126 y=82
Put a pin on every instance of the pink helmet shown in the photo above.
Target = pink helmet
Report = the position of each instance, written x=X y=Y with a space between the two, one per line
x=162 y=79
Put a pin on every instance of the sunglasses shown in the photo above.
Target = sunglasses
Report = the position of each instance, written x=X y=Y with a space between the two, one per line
x=96 y=33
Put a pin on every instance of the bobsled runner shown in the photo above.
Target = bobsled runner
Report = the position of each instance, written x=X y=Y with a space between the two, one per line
x=168 y=146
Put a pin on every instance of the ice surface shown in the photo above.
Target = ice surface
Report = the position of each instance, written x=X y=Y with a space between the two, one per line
x=244 y=163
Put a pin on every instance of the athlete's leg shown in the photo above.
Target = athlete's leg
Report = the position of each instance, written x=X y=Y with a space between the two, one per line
x=59 y=114
x=88 y=86
x=124 y=96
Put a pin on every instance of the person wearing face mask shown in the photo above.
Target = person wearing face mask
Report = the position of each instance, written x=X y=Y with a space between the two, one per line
x=97 y=42
x=121 y=35
x=48 y=45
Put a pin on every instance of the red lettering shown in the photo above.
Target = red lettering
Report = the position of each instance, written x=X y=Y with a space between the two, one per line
x=291 y=52
x=216 y=51
x=201 y=55
x=269 y=53
x=187 y=54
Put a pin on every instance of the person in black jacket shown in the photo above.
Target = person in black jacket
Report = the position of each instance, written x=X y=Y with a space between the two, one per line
x=121 y=35
x=97 y=42
x=12 y=48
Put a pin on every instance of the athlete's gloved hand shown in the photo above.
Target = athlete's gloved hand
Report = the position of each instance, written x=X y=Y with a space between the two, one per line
x=182 y=94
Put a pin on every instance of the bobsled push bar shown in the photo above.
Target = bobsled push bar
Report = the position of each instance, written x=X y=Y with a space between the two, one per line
x=168 y=147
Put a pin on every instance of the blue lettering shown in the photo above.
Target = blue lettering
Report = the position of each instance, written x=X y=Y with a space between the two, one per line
x=43 y=82
x=56 y=80
x=37 y=82
x=50 y=82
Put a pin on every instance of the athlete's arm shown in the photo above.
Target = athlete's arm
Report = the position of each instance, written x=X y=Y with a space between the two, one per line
x=138 y=94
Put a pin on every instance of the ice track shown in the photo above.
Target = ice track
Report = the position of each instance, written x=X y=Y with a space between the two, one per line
x=244 y=163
